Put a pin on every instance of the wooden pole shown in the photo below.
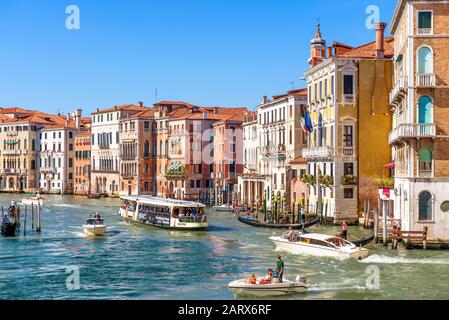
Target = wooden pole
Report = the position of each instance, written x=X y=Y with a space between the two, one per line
x=424 y=243
x=25 y=221
x=376 y=225
x=38 y=219
x=32 y=216
x=385 y=229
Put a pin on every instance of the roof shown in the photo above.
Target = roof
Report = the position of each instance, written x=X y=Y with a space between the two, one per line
x=368 y=51
x=171 y=103
x=126 y=107
x=164 y=202
x=298 y=92
x=147 y=114
x=299 y=160
x=209 y=113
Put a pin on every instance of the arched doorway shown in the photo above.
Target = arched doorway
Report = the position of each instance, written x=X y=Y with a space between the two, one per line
x=425 y=206
x=425 y=60
x=425 y=110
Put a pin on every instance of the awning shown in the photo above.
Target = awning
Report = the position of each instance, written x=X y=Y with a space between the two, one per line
x=390 y=165
x=399 y=58
x=11 y=142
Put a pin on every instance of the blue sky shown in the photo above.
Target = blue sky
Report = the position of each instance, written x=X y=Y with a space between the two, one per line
x=207 y=52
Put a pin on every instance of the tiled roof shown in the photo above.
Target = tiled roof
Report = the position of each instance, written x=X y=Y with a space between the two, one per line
x=368 y=51
x=173 y=103
x=146 y=114
x=127 y=107
x=300 y=92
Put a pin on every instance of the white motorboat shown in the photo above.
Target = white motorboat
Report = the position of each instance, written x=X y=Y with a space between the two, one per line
x=35 y=201
x=243 y=287
x=95 y=227
x=226 y=208
x=320 y=245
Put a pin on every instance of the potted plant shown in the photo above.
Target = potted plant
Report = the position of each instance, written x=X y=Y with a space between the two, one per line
x=348 y=180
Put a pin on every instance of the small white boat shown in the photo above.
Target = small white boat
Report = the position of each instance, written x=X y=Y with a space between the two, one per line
x=226 y=208
x=35 y=201
x=243 y=287
x=95 y=227
x=320 y=245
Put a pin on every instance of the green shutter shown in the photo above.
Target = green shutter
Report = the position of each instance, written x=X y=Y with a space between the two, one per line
x=425 y=20
x=425 y=155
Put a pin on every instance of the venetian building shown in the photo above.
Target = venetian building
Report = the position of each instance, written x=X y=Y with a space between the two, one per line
x=419 y=100
x=348 y=104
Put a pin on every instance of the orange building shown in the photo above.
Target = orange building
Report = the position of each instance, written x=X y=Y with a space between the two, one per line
x=82 y=165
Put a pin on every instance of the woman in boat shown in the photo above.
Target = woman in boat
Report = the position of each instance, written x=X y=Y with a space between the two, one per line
x=269 y=278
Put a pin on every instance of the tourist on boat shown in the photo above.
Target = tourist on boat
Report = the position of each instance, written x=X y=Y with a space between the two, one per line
x=269 y=278
x=6 y=219
x=290 y=234
x=252 y=279
x=280 y=268
x=97 y=216
x=203 y=217
x=344 y=232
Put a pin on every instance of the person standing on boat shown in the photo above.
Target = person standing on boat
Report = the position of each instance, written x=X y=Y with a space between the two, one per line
x=6 y=219
x=344 y=232
x=280 y=268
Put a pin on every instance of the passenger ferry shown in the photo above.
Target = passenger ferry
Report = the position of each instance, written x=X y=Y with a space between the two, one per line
x=164 y=213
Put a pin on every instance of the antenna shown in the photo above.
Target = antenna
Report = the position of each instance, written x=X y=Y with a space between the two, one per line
x=292 y=84
x=155 y=96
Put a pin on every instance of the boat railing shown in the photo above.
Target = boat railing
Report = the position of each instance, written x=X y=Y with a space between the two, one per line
x=192 y=220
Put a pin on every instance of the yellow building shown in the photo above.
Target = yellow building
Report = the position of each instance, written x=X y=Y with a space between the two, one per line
x=349 y=108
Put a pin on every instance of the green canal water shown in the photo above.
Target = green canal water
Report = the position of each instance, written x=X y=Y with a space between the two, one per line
x=135 y=262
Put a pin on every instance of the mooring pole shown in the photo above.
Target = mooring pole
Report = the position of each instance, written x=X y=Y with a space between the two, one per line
x=385 y=229
x=32 y=216
x=38 y=218
x=25 y=221
x=376 y=225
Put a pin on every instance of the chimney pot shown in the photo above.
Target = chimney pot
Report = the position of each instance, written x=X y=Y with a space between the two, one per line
x=140 y=103
x=380 y=38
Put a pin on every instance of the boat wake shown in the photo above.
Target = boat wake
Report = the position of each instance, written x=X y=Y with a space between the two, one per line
x=380 y=259
x=64 y=205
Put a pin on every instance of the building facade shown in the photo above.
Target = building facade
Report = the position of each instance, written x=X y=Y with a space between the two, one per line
x=82 y=163
x=105 y=174
x=348 y=104
x=419 y=99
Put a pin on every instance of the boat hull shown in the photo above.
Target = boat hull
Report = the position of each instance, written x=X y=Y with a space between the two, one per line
x=255 y=223
x=9 y=229
x=95 y=231
x=239 y=287
x=319 y=251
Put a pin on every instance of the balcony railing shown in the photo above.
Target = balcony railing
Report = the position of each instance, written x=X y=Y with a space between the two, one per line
x=424 y=31
x=11 y=133
x=400 y=85
x=48 y=169
x=12 y=152
x=412 y=130
x=348 y=98
x=425 y=173
x=318 y=153
x=425 y=80
x=348 y=151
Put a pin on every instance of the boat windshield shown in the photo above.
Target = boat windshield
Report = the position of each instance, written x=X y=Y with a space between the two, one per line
x=338 y=242
x=94 y=222
x=194 y=214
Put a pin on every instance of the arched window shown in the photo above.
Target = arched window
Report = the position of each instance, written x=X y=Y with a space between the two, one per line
x=425 y=162
x=425 y=206
x=425 y=60
x=146 y=149
x=320 y=130
x=425 y=110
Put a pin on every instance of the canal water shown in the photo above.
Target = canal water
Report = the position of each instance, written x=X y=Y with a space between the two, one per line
x=135 y=262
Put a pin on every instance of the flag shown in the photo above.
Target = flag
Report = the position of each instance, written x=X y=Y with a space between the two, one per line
x=308 y=122
x=303 y=126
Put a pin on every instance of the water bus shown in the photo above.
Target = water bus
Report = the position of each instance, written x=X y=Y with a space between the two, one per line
x=164 y=213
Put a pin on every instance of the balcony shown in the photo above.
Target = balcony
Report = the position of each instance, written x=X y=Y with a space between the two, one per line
x=48 y=170
x=412 y=130
x=103 y=146
x=12 y=152
x=400 y=86
x=425 y=80
x=348 y=151
x=424 y=31
x=318 y=153
x=12 y=133
x=348 y=99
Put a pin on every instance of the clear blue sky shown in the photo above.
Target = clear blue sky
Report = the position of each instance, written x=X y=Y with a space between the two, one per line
x=207 y=52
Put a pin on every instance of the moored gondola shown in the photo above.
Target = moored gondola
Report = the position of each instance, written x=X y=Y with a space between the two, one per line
x=255 y=223
x=364 y=241
x=9 y=229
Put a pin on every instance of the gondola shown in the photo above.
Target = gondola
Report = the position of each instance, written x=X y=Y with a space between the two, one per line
x=255 y=223
x=93 y=196
x=363 y=242
x=9 y=229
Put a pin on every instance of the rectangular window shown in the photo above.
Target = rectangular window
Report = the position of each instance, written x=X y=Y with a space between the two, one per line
x=348 y=84
x=349 y=193
x=425 y=20
x=294 y=174
x=348 y=136
x=348 y=169
x=70 y=162
x=198 y=184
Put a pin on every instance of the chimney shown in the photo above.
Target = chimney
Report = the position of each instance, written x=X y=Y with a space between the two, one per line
x=265 y=99
x=78 y=114
x=140 y=103
x=205 y=115
x=380 y=37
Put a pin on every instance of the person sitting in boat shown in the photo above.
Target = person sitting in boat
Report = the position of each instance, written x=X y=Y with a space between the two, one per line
x=6 y=219
x=290 y=234
x=97 y=216
x=252 y=279
x=203 y=217
x=269 y=278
